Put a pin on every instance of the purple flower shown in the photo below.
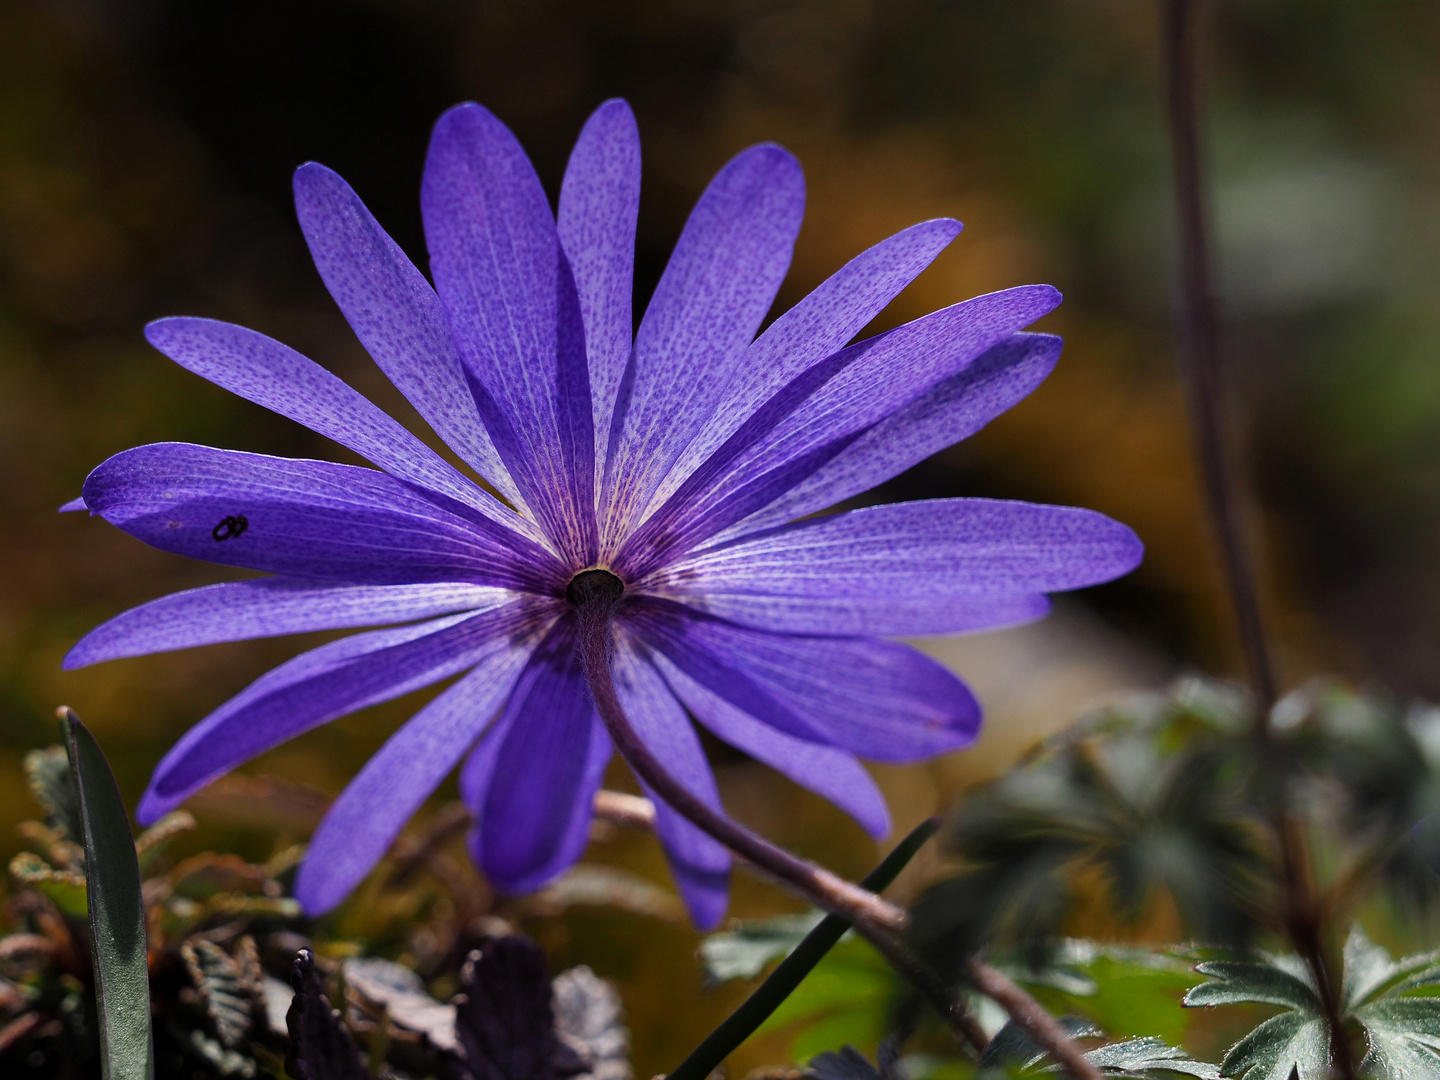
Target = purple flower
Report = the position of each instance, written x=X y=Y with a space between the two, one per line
x=679 y=461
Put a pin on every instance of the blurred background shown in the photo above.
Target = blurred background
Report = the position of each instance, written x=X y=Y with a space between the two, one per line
x=146 y=149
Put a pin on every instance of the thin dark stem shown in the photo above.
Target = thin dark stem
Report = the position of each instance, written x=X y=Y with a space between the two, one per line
x=1200 y=361
x=781 y=983
x=878 y=921
x=836 y=894
x=1200 y=339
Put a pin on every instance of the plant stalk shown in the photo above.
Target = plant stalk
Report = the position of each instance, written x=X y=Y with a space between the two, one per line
x=1198 y=333
x=877 y=920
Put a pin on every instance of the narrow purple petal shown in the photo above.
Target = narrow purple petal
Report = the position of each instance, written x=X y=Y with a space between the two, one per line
x=303 y=518
x=70 y=507
x=815 y=328
x=716 y=289
x=700 y=865
x=364 y=821
x=948 y=412
x=869 y=697
x=599 y=205
x=262 y=370
x=510 y=297
x=395 y=314
x=832 y=774
x=822 y=411
x=544 y=760
x=331 y=681
x=929 y=567
x=269 y=607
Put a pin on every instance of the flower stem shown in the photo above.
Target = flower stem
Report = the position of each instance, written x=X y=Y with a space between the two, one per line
x=877 y=920
x=1199 y=353
x=1199 y=336
x=833 y=892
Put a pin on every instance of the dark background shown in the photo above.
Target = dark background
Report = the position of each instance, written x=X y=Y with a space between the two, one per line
x=146 y=150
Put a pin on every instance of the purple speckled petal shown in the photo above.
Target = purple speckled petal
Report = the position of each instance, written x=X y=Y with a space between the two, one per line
x=924 y=567
x=716 y=289
x=364 y=821
x=945 y=414
x=599 y=204
x=262 y=370
x=822 y=411
x=832 y=774
x=510 y=298
x=538 y=772
x=866 y=696
x=813 y=329
x=305 y=518
x=331 y=681
x=699 y=864
x=395 y=314
x=269 y=607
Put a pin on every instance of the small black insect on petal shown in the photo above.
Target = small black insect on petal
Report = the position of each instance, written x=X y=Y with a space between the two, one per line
x=230 y=527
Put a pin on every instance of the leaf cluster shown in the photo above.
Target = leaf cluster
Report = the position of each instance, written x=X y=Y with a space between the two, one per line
x=223 y=936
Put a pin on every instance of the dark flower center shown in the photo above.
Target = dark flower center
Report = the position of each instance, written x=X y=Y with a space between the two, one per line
x=591 y=587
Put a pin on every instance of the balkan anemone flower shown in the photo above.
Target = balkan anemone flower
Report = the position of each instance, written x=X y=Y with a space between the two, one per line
x=677 y=468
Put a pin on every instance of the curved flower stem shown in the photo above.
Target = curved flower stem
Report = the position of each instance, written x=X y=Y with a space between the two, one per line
x=1199 y=334
x=877 y=920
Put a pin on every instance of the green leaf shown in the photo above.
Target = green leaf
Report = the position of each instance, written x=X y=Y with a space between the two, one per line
x=1280 y=1047
x=1244 y=982
x=744 y=952
x=1148 y=1055
x=1403 y=1036
x=851 y=986
x=117 y=912
x=65 y=887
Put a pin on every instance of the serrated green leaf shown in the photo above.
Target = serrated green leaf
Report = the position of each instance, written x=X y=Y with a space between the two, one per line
x=1239 y=982
x=1368 y=967
x=1403 y=1035
x=1147 y=1055
x=117 y=912
x=743 y=953
x=1281 y=1046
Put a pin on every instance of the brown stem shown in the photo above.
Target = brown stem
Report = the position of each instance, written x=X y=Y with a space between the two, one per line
x=595 y=595
x=1200 y=338
x=1032 y=1016
x=1198 y=327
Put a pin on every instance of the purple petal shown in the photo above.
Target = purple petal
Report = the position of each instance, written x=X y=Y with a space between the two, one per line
x=929 y=567
x=533 y=779
x=364 y=821
x=262 y=370
x=945 y=414
x=73 y=505
x=269 y=607
x=395 y=314
x=510 y=298
x=700 y=865
x=716 y=289
x=832 y=774
x=815 y=328
x=826 y=408
x=305 y=518
x=599 y=204
x=322 y=684
x=866 y=696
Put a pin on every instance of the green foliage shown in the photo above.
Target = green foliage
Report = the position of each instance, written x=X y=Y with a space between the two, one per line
x=1149 y=797
x=744 y=951
x=1391 y=1001
x=116 y=909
